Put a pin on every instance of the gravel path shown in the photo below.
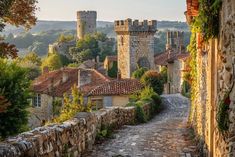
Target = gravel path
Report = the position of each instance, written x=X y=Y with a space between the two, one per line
x=166 y=135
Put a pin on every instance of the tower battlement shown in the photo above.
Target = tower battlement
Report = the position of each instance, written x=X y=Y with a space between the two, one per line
x=175 y=40
x=86 y=23
x=135 y=26
x=86 y=14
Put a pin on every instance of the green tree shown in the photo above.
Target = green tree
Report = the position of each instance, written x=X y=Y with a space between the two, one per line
x=14 y=89
x=32 y=63
x=32 y=58
x=65 y=38
x=52 y=61
x=139 y=73
x=113 y=71
x=73 y=106
x=153 y=79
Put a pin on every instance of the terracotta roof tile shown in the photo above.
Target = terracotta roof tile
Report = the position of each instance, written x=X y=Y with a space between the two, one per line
x=169 y=56
x=117 y=87
x=192 y=7
x=58 y=82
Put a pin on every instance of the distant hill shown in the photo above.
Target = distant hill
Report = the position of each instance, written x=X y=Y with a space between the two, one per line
x=43 y=26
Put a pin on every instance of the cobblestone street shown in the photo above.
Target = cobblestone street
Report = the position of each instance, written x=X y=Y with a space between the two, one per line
x=166 y=135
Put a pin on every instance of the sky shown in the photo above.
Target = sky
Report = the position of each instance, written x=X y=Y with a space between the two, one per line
x=110 y=10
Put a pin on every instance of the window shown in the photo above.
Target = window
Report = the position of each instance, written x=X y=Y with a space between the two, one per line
x=122 y=41
x=37 y=100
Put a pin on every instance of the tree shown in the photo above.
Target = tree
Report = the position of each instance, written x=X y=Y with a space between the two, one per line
x=73 y=106
x=65 y=38
x=139 y=73
x=113 y=71
x=31 y=59
x=14 y=93
x=18 y=13
x=32 y=63
x=52 y=61
x=153 y=79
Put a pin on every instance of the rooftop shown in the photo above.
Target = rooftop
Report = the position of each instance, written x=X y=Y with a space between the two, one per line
x=58 y=82
x=169 y=56
x=117 y=87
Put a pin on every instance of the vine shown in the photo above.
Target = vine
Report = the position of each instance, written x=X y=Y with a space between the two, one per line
x=222 y=116
x=192 y=74
x=207 y=21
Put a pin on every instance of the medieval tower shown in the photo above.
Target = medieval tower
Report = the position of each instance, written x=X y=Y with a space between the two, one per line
x=135 y=42
x=175 y=41
x=86 y=23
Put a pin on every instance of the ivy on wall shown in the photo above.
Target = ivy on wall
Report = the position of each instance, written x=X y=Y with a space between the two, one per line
x=207 y=22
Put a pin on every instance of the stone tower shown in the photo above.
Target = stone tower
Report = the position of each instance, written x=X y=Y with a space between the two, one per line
x=135 y=42
x=86 y=23
x=175 y=41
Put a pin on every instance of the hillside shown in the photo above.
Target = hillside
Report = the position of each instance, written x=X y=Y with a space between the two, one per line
x=43 y=26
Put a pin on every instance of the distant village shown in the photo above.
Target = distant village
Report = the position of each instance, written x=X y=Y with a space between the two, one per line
x=111 y=82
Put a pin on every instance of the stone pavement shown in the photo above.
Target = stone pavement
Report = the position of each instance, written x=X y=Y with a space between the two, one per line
x=166 y=135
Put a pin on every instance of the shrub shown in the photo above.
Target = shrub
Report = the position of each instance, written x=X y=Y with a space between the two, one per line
x=164 y=74
x=140 y=115
x=139 y=73
x=14 y=95
x=147 y=93
x=153 y=79
x=73 y=106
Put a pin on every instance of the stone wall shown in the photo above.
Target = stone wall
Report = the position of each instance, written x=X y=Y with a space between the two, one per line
x=42 y=113
x=216 y=64
x=70 y=138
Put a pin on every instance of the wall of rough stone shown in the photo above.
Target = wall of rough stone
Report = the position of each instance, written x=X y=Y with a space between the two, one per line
x=135 y=45
x=70 y=138
x=44 y=112
x=215 y=78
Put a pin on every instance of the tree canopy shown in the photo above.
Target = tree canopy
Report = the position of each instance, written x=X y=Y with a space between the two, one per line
x=18 y=13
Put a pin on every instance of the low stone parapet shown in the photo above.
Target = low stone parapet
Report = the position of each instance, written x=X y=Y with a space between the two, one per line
x=72 y=137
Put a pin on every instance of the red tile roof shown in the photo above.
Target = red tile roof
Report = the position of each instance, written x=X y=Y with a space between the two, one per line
x=117 y=87
x=52 y=83
x=169 y=56
x=192 y=7
x=111 y=58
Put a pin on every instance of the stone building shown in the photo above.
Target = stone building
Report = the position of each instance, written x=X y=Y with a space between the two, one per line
x=135 y=44
x=51 y=86
x=215 y=82
x=174 y=60
x=86 y=23
x=115 y=92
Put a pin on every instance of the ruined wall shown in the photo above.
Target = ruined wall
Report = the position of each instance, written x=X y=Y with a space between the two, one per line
x=135 y=43
x=70 y=138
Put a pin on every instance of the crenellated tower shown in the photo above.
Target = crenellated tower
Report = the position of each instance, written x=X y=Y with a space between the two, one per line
x=175 y=41
x=135 y=43
x=86 y=23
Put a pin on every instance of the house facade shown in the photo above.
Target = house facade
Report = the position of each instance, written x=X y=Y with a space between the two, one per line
x=115 y=92
x=173 y=59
